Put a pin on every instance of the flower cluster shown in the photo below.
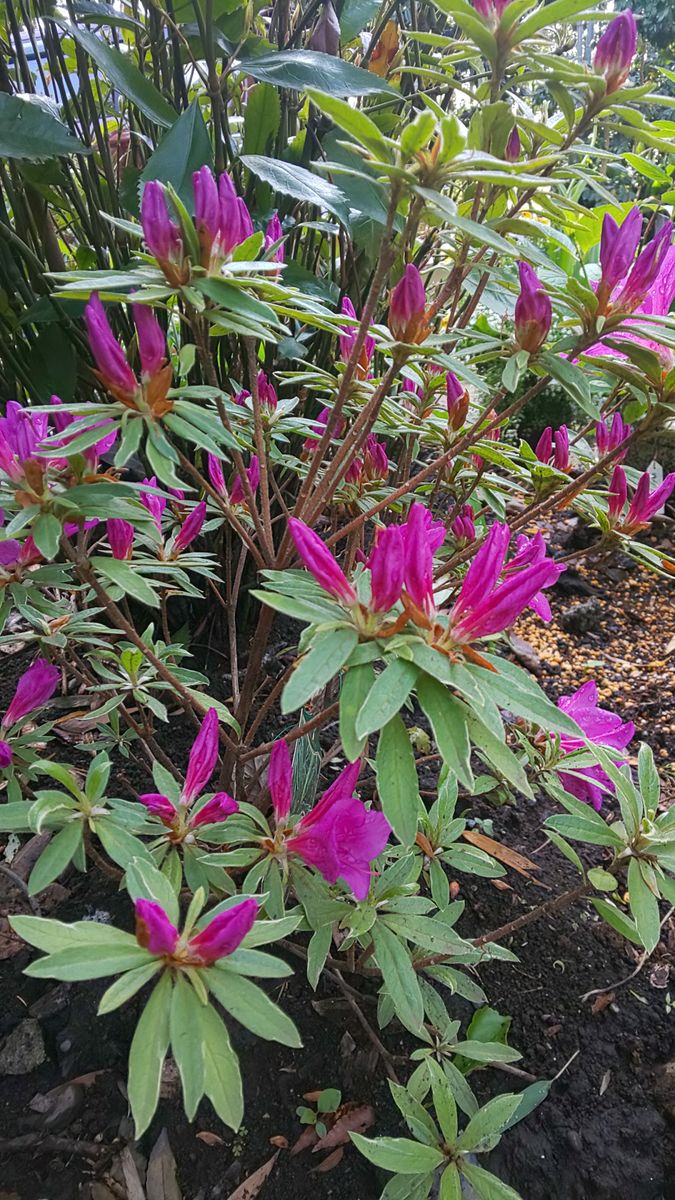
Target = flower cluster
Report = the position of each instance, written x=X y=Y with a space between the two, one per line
x=554 y=448
x=600 y=726
x=222 y=222
x=147 y=394
x=644 y=504
x=219 y=938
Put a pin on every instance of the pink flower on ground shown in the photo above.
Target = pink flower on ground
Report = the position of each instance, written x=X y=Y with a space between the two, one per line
x=35 y=687
x=319 y=560
x=601 y=726
x=340 y=837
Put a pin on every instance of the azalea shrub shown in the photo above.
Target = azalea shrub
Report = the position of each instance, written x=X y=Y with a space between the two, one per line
x=308 y=277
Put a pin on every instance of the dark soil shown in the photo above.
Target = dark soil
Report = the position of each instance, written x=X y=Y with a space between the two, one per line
x=607 y=1131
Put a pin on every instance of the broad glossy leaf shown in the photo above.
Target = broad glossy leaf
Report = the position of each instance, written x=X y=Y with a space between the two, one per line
x=29 y=129
x=184 y=149
x=298 y=183
x=327 y=654
x=301 y=69
x=397 y=782
x=122 y=72
x=146 y=1056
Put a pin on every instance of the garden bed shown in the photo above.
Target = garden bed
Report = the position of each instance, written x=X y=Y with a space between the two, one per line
x=608 y=1127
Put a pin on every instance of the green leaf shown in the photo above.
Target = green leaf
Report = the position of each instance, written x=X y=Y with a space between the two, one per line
x=498 y=755
x=317 y=953
x=444 y=1103
x=399 y=978
x=603 y=880
x=55 y=857
x=447 y=718
x=291 y=180
x=47 y=535
x=482 y=234
x=489 y=1121
x=327 y=654
x=353 y=121
x=573 y=379
x=355 y=16
x=426 y=932
x=145 y=882
x=401 y=1155
x=185 y=1028
x=127 y=986
x=88 y=962
x=549 y=14
x=125 y=76
x=644 y=906
x=617 y=919
x=530 y=1098
x=29 y=129
x=146 y=1056
x=486 y=1185
x=184 y=149
x=419 y=1121
x=249 y=1005
x=397 y=783
x=451 y=1184
x=125 y=576
x=356 y=684
x=52 y=936
x=262 y=119
x=222 y=1077
x=302 y=69
x=648 y=777
x=387 y=695
x=118 y=843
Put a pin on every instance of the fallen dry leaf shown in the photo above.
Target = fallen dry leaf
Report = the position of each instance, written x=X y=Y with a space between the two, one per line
x=330 y=1161
x=249 y=1189
x=307 y=1138
x=311 y=1096
x=209 y=1139
x=160 y=1181
x=279 y=1141
x=132 y=1180
x=356 y=1120
x=602 y=1002
x=504 y=854
x=659 y=975
x=605 y=1082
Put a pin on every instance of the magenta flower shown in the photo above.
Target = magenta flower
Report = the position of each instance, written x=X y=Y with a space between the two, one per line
x=326 y=33
x=207 y=211
x=387 y=569
x=533 y=312
x=159 y=806
x=162 y=236
x=645 y=504
x=617 y=494
x=319 y=560
x=5 y=755
x=273 y=234
x=245 y=223
x=561 y=455
x=457 y=399
x=154 y=931
x=618 y=244
x=120 y=537
x=230 y=233
x=419 y=558
x=216 y=475
x=490 y=10
x=407 y=307
x=21 y=435
x=151 y=341
x=340 y=837
x=61 y=419
x=203 y=758
x=544 y=447
x=266 y=393
x=280 y=781
x=190 y=529
x=600 y=726
x=484 y=606
x=16 y=556
x=35 y=687
x=224 y=932
x=347 y=338
x=238 y=495
x=375 y=460
x=114 y=370
x=609 y=437
x=512 y=149
x=657 y=301
x=154 y=504
x=616 y=50
x=318 y=430
x=463 y=527
x=216 y=809
x=530 y=551
x=632 y=291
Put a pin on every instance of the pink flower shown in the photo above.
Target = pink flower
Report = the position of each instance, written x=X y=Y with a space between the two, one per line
x=407 y=307
x=35 y=687
x=207 y=211
x=561 y=456
x=224 y=932
x=512 y=149
x=318 y=430
x=645 y=504
x=457 y=399
x=61 y=419
x=326 y=33
x=387 y=568
x=484 y=606
x=162 y=236
x=216 y=809
x=615 y=51
x=109 y=356
x=609 y=438
x=190 y=529
x=490 y=10
x=375 y=460
x=21 y=435
x=159 y=806
x=266 y=393
x=216 y=475
x=656 y=301
x=463 y=527
x=419 y=558
x=154 y=504
x=618 y=244
x=245 y=222
x=280 y=781
x=203 y=758
x=238 y=495
x=154 y=931
x=151 y=341
x=340 y=837
x=533 y=312
x=347 y=337
x=528 y=552
x=5 y=755
x=600 y=726
x=544 y=447
x=319 y=560
x=120 y=537
x=15 y=555
x=273 y=234
x=618 y=493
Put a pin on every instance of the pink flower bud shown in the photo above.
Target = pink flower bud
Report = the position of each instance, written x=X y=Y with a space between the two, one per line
x=35 y=687
x=190 y=529
x=618 y=493
x=5 y=755
x=387 y=568
x=319 y=560
x=561 y=457
x=245 y=222
x=216 y=475
x=109 y=356
x=273 y=234
x=203 y=758
x=154 y=504
x=238 y=494
x=646 y=270
x=463 y=527
x=280 y=781
x=616 y=50
x=224 y=932
x=347 y=339
x=533 y=313
x=266 y=393
x=375 y=461
x=544 y=447
x=120 y=537
x=407 y=307
x=207 y=211
x=162 y=236
x=512 y=150
x=609 y=438
x=154 y=930
x=419 y=558
x=457 y=399
x=216 y=809
x=230 y=234
x=326 y=33
x=645 y=504
x=618 y=244
x=159 y=806
x=151 y=341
